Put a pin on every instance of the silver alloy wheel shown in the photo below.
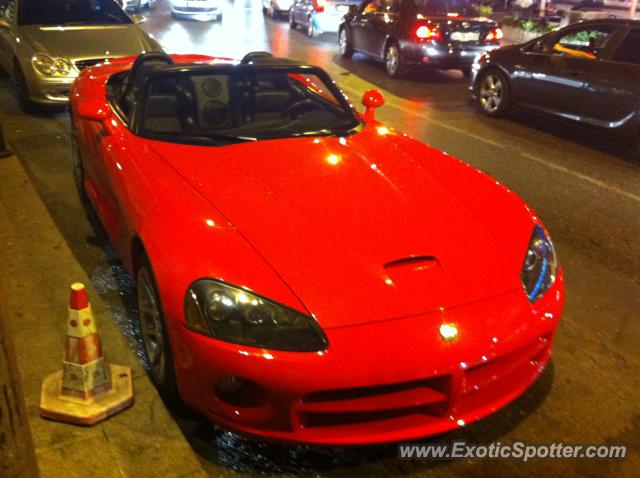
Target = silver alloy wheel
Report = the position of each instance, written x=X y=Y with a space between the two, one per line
x=491 y=92
x=392 y=60
x=151 y=325
x=310 y=29
x=343 y=42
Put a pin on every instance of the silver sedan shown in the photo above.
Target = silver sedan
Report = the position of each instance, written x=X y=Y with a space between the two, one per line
x=44 y=44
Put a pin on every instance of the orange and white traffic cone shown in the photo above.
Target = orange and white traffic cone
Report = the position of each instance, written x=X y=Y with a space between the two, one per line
x=87 y=389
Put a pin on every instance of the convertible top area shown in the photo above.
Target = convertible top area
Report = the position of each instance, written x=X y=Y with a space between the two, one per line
x=260 y=97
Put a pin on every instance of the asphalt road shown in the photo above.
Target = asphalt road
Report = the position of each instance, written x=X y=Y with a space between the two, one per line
x=586 y=188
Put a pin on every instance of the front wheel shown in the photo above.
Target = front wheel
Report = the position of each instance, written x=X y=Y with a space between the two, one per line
x=393 y=61
x=292 y=22
x=493 y=93
x=311 y=29
x=154 y=334
x=344 y=44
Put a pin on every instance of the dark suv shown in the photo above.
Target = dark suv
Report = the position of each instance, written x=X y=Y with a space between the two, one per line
x=443 y=34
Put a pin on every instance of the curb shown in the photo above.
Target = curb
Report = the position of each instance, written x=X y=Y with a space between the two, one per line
x=38 y=267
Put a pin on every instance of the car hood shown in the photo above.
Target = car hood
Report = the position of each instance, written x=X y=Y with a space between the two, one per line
x=359 y=229
x=87 y=42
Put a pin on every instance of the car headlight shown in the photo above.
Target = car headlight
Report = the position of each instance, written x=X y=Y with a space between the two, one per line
x=48 y=66
x=540 y=265
x=235 y=315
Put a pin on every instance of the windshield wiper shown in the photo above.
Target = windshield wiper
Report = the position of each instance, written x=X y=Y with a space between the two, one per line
x=215 y=138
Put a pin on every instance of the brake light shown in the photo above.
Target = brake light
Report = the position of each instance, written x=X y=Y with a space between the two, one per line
x=496 y=34
x=318 y=5
x=424 y=32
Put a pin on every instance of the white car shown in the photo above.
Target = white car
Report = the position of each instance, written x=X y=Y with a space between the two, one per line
x=136 y=5
x=273 y=8
x=197 y=9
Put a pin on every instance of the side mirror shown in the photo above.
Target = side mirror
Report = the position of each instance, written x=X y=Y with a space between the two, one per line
x=371 y=100
x=94 y=110
x=137 y=18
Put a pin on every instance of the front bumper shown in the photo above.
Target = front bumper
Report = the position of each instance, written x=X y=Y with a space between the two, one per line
x=389 y=381
x=443 y=55
x=49 y=91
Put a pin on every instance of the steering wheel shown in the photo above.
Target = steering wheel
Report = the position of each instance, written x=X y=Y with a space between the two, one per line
x=296 y=109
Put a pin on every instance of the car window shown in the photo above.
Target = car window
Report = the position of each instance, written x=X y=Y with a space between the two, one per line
x=584 y=43
x=443 y=7
x=629 y=49
x=218 y=107
x=388 y=6
x=7 y=10
x=71 y=12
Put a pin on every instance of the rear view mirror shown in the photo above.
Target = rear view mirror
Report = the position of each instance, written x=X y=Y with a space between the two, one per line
x=137 y=18
x=371 y=100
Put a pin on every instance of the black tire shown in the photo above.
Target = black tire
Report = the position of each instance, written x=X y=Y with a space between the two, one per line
x=160 y=363
x=492 y=93
x=292 y=23
x=22 y=91
x=393 y=62
x=344 y=43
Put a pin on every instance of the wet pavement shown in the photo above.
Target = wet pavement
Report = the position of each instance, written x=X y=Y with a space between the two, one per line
x=586 y=189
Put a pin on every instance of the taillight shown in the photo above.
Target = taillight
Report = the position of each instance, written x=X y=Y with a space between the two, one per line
x=495 y=35
x=425 y=32
x=318 y=5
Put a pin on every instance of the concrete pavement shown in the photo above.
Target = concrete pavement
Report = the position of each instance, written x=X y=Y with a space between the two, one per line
x=141 y=441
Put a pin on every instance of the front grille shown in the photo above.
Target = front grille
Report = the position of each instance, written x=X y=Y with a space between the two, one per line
x=82 y=64
x=416 y=403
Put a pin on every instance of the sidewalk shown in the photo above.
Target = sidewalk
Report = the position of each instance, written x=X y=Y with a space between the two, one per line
x=37 y=269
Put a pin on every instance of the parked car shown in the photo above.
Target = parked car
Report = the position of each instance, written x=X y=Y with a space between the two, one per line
x=587 y=73
x=319 y=16
x=444 y=34
x=274 y=8
x=44 y=44
x=295 y=280
x=136 y=5
x=197 y=9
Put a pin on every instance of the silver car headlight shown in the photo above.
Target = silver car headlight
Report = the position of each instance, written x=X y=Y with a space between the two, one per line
x=48 y=66
x=540 y=265
x=235 y=315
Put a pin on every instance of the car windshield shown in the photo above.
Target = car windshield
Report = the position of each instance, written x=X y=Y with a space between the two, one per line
x=218 y=106
x=444 y=7
x=71 y=12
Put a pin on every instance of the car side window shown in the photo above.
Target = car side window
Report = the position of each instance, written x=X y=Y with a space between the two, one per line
x=7 y=10
x=629 y=49
x=586 y=43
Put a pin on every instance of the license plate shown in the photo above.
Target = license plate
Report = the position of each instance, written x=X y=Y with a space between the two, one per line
x=465 y=36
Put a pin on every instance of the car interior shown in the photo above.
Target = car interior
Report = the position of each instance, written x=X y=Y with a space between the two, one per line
x=256 y=103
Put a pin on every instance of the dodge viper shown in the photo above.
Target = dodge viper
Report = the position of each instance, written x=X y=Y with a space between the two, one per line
x=305 y=273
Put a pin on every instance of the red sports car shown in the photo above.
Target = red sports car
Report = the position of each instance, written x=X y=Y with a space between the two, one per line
x=303 y=272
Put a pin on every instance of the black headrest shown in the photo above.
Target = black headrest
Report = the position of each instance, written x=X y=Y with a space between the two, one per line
x=255 y=56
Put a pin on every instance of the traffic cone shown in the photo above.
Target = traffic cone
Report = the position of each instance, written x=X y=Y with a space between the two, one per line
x=88 y=389
x=4 y=149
